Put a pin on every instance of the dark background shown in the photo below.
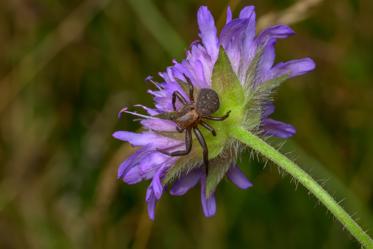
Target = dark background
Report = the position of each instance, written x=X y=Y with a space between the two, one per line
x=67 y=67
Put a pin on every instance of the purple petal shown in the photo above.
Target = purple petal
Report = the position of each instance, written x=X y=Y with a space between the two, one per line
x=230 y=37
x=238 y=178
x=123 y=167
x=237 y=38
x=156 y=124
x=266 y=41
x=163 y=97
x=268 y=109
x=248 y=44
x=133 y=176
x=150 y=139
x=146 y=166
x=274 y=32
x=293 y=68
x=197 y=66
x=152 y=201
x=247 y=12
x=229 y=15
x=130 y=162
x=278 y=129
x=157 y=183
x=208 y=204
x=207 y=33
x=266 y=61
x=168 y=76
x=182 y=185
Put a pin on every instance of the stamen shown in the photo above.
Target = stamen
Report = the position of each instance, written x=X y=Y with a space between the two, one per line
x=124 y=110
x=151 y=111
x=150 y=79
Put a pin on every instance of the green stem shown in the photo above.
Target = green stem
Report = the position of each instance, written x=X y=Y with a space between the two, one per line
x=301 y=176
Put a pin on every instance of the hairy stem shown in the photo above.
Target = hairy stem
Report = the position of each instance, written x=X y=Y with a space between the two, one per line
x=306 y=180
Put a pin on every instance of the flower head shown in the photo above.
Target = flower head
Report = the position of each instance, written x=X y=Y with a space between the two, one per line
x=238 y=64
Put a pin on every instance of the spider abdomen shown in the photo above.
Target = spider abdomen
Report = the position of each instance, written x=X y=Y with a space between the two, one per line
x=207 y=102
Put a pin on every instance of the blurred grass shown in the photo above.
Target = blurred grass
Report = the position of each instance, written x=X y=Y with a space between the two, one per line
x=67 y=67
x=158 y=26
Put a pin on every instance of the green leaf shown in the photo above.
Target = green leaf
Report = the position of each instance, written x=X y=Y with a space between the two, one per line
x=232 y=98
x=226 y=84
x=183 y=164
x=252 y=70
x=219 y=166
x=269 y=85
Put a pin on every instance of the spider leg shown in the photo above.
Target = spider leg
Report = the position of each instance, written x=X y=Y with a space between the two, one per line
x=202 y=141
x=180 y=97
x=217 y=118
x=188 y=146
x=208 y=127
x=179 y=129
x=191 y=89
x=189 y=85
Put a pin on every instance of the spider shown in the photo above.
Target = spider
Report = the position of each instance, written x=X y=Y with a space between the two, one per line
x=192 y=114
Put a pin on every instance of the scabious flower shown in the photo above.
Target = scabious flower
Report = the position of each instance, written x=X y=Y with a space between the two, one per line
x=239 y=65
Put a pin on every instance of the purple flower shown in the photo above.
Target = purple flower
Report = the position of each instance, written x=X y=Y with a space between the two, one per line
x=251 y=58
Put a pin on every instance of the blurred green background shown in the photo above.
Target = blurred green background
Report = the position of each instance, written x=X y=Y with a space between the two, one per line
x=67 y=67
